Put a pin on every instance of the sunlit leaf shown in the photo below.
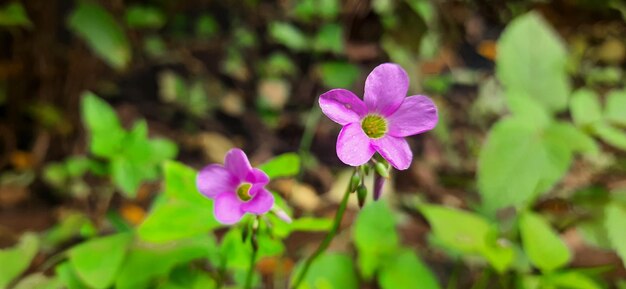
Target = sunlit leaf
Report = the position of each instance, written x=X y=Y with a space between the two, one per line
x=330 y=271
x=614 y=223
x=285 y=165
x=616 y=107
x=456 y=229
x=406 y=271
x=542 y=244
x=175 y=219
x=68 y=277
x=102 y=32
x=585 y=107
x=97 y=261
x=39 y=281
x=106 y=133
x=611 y=135
x=338 y=74
x=532 y=59
x=570 y=280
x=375 y=237
x=15 y=260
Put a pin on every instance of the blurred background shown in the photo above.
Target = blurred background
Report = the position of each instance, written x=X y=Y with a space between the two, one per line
x=192 y=79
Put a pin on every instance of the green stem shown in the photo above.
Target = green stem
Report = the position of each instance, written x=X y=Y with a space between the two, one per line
x=484 y=280
x=251 y=269
x=326 y=242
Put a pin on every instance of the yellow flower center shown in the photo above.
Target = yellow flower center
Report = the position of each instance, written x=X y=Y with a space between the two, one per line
x=243 y=192
x=374 y=126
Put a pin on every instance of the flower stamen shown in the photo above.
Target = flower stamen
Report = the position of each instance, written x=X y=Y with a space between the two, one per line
x=374 y=126
x=243 y=192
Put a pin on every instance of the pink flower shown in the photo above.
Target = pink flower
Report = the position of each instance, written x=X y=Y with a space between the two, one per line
x=380 y=123
x=237 y=188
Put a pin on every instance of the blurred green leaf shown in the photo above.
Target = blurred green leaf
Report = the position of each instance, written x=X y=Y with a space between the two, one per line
x=68 y=277
x=338 y=74
x=15 y=260
x=536 y=68
x=611 y=135
x=101 y=31
x=147 y=261
x=97 y=261
x=206 y=26
x=154 y=46
x=375 y=237
x=277 y=65
x=542 y=244
x=616 y=107
x=406 y=271
x=456 y=229
x=585 y=107
x=106 y=132
x=289 y=35
x=330 y=270
x=570 y=280
x=329 y=38
x=614 y=223
x=13 y=14
x=285 y=165
x=519 y=161
x=528 y=109
x=142 y=16
x=311 y=224
x=126 y=175
x=39 y=281
x=324 y=9
x=67 y=227
x=176 y=219
x=183 y=213
x=187 y=278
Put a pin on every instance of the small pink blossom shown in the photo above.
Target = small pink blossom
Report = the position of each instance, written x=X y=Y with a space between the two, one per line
x=236 y=187
x=380 y=122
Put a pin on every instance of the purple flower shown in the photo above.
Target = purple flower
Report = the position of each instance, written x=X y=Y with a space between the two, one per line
x=237 y=188
x=380 y=123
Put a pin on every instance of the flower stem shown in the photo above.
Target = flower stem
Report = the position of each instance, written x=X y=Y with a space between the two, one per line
x=255 y=249
x=326 y=242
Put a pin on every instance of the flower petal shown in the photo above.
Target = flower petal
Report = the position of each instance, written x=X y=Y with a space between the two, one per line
x=227 y=208
x=385 y=88
x=353 y=145
x=342 y=106
x=260 y=204
x=214 y=179
x=395 y=150
x=417 y=114
x=256 y=176
x=237 y=163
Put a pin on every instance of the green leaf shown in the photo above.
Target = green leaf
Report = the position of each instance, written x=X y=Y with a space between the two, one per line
x=585 y=107
x=565 y=135
x=406 y=270
x=141 y=16
x=459 y=230
x=97 y=262
x=338 y=74
x=68 y=277
x=532 y=59
x=188 y=278
x=180 y=183
x=176 y=219
x=528 y=109
x=519 y=162
x=616 y=107
x=147 y=261
x=289 y=35
x=325 y=9
x=285 y=165
x=611 y=135
x=614 y=223
x=106 y=133
x=126 y=175
x=309 y=224
x=39 y=281
x=101 y=31
x=570 y=280
x=15 y=260
x=13 y=14
x=206 y=26
x=329 y=39
x=375 y=236
x=330 y=270
x=542 y=244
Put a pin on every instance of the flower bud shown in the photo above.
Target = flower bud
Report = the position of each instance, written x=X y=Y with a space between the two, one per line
x=382 y=169
x=355 y=180
x=281 y=214
x=361 y=193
